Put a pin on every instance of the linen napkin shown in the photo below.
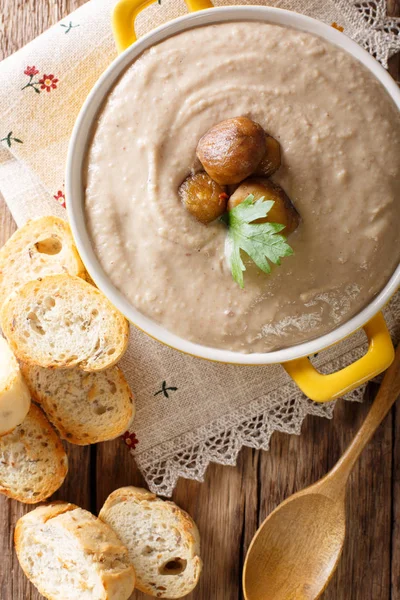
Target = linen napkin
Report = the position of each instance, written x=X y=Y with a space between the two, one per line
x=189 y=411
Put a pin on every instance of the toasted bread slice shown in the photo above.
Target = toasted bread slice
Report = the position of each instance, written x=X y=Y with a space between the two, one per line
x=33 y=462
x=84 y=407
x=62 y=321
x=15 y=398
x=66 y=552
x=162 y=539
x=41 y=247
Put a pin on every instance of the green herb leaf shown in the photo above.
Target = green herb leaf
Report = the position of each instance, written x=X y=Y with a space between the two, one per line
x=260 y=241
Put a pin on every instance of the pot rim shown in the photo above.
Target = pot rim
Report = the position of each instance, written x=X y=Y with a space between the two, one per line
x=75 y=196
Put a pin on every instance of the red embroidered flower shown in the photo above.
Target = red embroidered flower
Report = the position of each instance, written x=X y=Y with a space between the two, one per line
x=31 y=71
x=48 y=83
x=130 y=439
x=60 y=197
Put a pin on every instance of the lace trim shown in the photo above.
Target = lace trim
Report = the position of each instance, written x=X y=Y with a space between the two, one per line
x=283 y=410
x=271 y=414
x=375 y=31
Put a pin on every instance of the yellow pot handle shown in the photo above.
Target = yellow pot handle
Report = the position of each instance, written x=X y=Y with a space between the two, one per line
x=322 y=388
x=126 y=11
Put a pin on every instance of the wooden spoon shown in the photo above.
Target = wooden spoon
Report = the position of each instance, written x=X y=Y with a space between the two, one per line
x=296 y=550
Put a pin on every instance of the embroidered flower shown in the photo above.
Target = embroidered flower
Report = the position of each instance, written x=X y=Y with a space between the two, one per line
x=60 y=197
x=130 y=439
x=31 y=71
x=48 y=83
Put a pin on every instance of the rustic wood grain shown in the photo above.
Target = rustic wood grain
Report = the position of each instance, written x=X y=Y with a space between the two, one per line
x=310 y=524
x=233 y=501
x=396 y=505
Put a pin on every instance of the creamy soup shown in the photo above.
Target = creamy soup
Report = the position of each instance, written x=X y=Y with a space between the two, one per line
x=340 y=137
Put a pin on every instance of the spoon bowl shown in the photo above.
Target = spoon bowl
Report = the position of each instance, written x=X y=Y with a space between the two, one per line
x=277 y=569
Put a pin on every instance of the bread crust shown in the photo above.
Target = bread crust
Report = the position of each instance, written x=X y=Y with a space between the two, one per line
x=181 y=521
x=28 y=253
x=102 y=407
x=33 y=327
x=95 y=538
x=46 y=452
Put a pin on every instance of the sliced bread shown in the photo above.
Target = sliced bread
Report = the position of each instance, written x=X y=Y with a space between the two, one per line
x=62 y=321
x=162 y=539
x=33 y=462
x=67 y=553
x=15 y=398
x=41 y=247
x=84 y=407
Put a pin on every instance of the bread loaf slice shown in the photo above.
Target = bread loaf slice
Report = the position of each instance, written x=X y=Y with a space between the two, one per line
x=41 y=247
x=62 y=321
x=162 y=539
x=33 y=462
x=69 y=554
x=15 y=398
x=84 y=407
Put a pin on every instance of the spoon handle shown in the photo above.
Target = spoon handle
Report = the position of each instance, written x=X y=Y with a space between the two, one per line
x=334 y=483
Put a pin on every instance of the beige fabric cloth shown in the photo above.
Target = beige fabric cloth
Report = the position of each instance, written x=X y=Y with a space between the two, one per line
x=189 y=412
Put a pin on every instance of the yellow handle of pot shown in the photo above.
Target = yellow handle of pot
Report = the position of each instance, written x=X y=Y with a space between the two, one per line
x=126 y=11
x=322 y=388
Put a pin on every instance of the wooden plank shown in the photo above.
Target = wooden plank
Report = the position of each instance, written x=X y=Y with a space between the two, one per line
x=396 y=506
x=296 y=462
x=220 y=506
x=21 y=22
x=366 y=562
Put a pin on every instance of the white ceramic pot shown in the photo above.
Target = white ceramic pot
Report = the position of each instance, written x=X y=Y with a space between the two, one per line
x=317 y=386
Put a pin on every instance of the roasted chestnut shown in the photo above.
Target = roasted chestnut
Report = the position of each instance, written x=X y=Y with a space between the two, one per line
x=282 y=212
x=204 y=198
x=231 y=150
x=272 y=158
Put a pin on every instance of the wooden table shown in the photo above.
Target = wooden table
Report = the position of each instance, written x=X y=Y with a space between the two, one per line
x=233 y=501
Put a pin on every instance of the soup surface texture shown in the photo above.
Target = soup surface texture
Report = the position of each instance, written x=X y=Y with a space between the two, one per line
x=340 y=137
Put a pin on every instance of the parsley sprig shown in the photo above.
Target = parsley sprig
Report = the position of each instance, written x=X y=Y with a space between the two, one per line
x=261 y=241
